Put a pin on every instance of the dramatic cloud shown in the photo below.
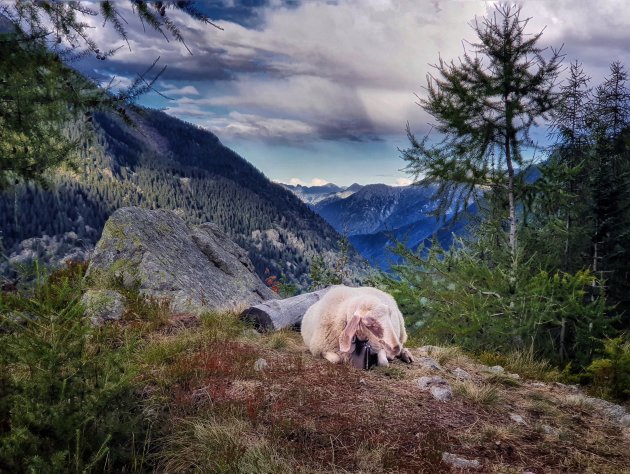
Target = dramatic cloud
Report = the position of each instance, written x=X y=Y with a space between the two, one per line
x=303 y=73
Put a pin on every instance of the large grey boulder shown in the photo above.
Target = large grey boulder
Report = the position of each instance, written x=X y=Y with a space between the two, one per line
x=196 y=269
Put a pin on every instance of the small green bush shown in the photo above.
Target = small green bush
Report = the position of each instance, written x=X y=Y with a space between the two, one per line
x=611 y=374
x=67 y=402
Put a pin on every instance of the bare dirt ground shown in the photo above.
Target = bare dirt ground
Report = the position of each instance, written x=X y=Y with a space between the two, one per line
x=319 y=417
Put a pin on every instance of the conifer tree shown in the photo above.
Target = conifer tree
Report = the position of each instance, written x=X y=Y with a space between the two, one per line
x=609 y=121
x=567 y=170
x=484 y=105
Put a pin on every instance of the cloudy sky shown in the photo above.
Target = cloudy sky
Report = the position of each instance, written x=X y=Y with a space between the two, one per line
x=320 y=91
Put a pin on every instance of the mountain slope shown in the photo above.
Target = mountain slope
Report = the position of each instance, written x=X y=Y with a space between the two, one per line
x=377 y=207
x=167 y=163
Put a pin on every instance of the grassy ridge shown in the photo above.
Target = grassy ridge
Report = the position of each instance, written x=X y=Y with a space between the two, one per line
x=181 y=394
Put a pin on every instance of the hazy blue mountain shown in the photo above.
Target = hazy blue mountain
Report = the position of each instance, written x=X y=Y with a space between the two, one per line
x=377 y=216
x=377 y=207
x=376 y=248
x=167 y=163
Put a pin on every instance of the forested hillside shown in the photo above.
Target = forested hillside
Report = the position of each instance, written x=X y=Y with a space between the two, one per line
x=167 y=163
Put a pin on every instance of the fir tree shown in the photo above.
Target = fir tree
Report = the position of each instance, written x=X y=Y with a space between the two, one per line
x=485 y=106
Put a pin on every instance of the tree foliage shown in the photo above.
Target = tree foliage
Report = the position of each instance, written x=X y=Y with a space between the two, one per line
x=484 y=106
x=67 y=402
x=40 y=94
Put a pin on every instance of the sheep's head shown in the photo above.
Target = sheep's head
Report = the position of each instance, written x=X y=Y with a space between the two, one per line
x=371 y=322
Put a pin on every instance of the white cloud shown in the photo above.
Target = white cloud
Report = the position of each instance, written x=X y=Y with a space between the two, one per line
x=296 y=182
x=403 y=182
x=318 y=182
x=186 y=90
x=347 y=69
x=253 y=126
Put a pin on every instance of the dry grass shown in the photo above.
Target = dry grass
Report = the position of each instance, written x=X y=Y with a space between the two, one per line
x=448 y=355
x=218 y=445
x=480 y=394
x=523 y=364
x=503 y=379
x=304 y=415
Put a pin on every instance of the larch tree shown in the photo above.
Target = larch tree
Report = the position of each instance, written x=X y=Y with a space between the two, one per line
x=484 y=106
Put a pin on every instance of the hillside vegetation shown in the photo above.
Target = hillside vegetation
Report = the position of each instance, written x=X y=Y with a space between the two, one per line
x=182 y=394
x=166 y=163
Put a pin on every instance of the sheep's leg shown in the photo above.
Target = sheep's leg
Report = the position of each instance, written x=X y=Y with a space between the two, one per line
x=332 y=357
x=406 y=356
x=382 y=359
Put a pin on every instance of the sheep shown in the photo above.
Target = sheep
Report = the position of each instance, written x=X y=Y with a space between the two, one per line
x=330 y=324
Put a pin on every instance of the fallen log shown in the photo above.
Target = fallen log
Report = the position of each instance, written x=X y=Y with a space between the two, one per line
x=272 y=315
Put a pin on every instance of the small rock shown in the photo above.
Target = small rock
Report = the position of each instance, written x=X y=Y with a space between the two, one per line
x=429 y=363
x=616 y=412
x=496 y=369
x=460 y=463
x=549 y=430
x=437 y=386
x=441 y=393
x=517 y=419
x=425 y=382
x=261 y=364
x=538 y=384
x=362 y=381
x=461 y=374
x=103 y=305
x=514 y=376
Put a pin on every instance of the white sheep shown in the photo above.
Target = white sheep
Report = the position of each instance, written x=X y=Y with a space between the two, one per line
x=329 y=325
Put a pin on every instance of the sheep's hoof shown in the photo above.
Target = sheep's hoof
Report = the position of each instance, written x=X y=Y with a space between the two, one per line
x=382 y=359
x=332 y=357
x=406 y=356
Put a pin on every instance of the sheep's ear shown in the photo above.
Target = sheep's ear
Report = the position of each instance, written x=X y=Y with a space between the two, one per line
x=345 y=339
x=373 y=326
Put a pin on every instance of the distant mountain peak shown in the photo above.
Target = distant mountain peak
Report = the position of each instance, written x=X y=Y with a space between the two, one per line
x=312 y=195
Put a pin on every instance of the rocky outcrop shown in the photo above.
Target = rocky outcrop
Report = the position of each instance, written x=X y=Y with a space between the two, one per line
x=103 y=305
x=195 y=269
x=48 y=251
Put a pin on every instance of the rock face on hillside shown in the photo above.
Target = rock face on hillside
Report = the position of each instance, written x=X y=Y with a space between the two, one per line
x=196 y=269
x=49 y=251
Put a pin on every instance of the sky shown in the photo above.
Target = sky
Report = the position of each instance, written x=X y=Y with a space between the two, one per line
x=321 y=91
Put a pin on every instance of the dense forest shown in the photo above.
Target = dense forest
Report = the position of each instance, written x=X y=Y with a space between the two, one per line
x=162 y=162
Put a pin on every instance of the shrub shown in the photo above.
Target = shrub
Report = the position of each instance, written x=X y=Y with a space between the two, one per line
x=472 y=297
x=67 y=402
x=611 y=374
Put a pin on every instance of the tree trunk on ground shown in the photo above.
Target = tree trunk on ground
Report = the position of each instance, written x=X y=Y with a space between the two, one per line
x=279 y=314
